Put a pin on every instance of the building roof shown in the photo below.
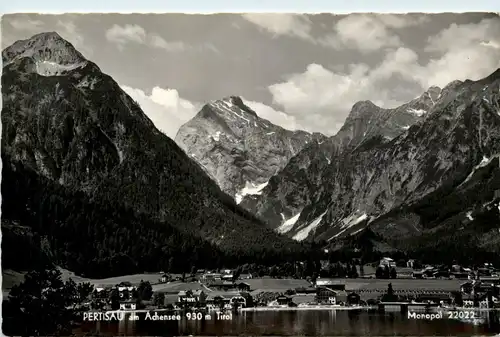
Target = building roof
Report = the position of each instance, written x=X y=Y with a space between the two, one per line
x=326 y=288
x=223 y=293
x=126 y=288
x=222 y=284
x=442 y=296
x=224 y=296
x=128 y=301
x=341 y=296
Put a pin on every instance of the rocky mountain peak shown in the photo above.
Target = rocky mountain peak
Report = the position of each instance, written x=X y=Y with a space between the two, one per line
x=237 y=148
x=361 y=108
x=47 y=48
x=434 y=92
x=232 y=107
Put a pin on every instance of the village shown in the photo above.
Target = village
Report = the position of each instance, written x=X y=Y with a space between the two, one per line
x=384 y=287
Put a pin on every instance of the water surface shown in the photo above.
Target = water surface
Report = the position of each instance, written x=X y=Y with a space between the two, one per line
x=303 y=323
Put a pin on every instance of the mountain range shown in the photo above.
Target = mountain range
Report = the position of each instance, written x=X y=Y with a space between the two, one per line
x=71 y=129
x=430 y=166
x=88 y=177
x=291 y=189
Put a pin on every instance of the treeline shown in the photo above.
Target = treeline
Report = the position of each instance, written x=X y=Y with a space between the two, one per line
x=44 y=305
x=21 y=248
x=103 y=239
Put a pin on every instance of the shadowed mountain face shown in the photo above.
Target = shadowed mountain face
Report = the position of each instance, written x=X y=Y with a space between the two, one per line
x=237 y=148
x=385 y=162
x=69 y=123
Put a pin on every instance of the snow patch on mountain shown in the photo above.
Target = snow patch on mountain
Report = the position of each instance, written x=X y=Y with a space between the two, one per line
x=216 y=137
x=418 y=112
x=87 y=82
x=484 y=162
x=288 y=224
x=350 y=221
x=250 y=189
x=227 y=106
x=304 y=232
x=357 y=231
x=48 y=68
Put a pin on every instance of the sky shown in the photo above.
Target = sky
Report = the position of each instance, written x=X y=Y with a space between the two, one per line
x=296 y=70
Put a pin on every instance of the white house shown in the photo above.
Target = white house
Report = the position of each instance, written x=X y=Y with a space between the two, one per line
x=226 y=277
x=122 y=290
x=468 y=303
x=128 y=305
x=387 y=261
x=483 y=303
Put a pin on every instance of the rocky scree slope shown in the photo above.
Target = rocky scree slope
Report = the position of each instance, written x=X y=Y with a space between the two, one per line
x=240 y=150
x=70 y=123
x=292 y=188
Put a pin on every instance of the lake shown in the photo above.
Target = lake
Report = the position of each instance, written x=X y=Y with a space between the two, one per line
x=304 y=323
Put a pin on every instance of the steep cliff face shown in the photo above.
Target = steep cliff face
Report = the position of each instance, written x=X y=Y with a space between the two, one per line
x=293 y=188
x=240 y=150
x=68 y=122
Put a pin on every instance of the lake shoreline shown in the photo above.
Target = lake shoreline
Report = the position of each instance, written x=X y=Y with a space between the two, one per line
x=324 y=307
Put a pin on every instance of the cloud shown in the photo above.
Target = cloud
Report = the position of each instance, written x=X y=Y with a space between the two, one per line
x=369 y=32
x=27 y=25
x=365 y=32
x=122 y=35
x=274 y=116
x=463 y=51
x=296 y=25
x=69 y=31
x=457 y=37
x=320 y=98
x=164 y=107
